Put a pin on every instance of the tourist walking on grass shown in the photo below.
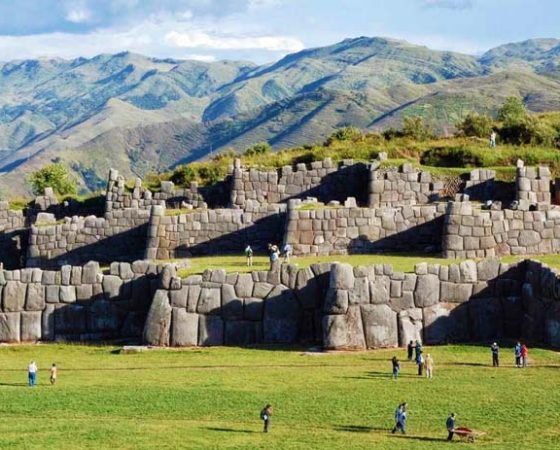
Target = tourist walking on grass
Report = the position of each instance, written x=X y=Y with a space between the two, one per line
x=417 y=351
x=396 y=367
x=429 y=365
x=266 y=413
x=32 y=373
x=249 y=256
x=495 y=355
x=524 y=355
x=517 y=353
x=420 y=362
x=53 y=373
x=409 y=350
x=400 y=419
x=450 y=424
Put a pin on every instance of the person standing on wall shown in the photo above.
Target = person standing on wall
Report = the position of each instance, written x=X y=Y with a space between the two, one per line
x=287 y=251
x=249 y=255
x=495 y=355
x=32 y=373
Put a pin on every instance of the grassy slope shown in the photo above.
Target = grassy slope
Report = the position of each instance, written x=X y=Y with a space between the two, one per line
x=211 y=398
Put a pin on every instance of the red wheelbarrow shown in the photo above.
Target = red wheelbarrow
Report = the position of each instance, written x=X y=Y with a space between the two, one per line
x=467 y=434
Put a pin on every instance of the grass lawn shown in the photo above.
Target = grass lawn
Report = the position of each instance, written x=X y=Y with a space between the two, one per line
x=400 y=263
x=211 y=398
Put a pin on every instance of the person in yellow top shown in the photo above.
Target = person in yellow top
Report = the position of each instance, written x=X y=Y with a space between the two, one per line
x=53 y=373
x=429 y=365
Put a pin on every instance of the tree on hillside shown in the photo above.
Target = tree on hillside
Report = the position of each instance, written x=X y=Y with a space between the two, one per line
x=344 y=134
x=512 y=112
x=416 y=128
x=476 y=125
x=55 y=176
x=261 y=148
x=183 y=175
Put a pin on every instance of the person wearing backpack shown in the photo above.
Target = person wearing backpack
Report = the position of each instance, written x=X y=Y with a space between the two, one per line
x=265 y=416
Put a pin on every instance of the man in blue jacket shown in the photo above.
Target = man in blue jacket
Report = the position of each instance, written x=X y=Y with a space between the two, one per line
x=450 y=424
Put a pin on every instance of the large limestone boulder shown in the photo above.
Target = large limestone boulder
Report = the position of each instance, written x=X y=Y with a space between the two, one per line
x=31 y=326
x=209 y=301
x=70 y=319
x=104 y=315
x=427 y=290
x=158 y=322
x=282 y=315
x=242 y=332
x=306 y=289
x=552 y=326
x=360 y=294
x=456 y=292
x=344 y=331
x=35 y=300
x=486 y=319
x=380 y=326
x=47 y=331
x=253 y=308
x=232 y=305
x=410 y=326
x=10 y=327
x=342 y=276
x=488 y=269
x=14 y=296
x=446 y=322
x=210 y=330
x=244 y=285
x=184 y=330
x=379 y=289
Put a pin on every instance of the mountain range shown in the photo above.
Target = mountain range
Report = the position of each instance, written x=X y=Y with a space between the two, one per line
x=139 y=114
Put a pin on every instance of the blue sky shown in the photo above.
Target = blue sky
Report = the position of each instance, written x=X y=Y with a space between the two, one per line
x=260 y=30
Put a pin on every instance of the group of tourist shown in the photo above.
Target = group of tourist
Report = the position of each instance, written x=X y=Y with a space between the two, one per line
x=415 y=349
x=274 y=255
x=32 y=370
x=520 y=351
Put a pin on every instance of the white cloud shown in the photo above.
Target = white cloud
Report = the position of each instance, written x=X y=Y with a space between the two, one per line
x=77 y=12
x=199 y=39
x=198 y=57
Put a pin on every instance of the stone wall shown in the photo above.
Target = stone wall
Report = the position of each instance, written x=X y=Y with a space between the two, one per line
x=403 y=186
x=324 y=180
x=119 y=236
x=470 y=232
x=199 y=232
x=533 y=185
x=76 y=303
x=345 y=230
x=370 y=307
x=13 y=236
x=281 y=307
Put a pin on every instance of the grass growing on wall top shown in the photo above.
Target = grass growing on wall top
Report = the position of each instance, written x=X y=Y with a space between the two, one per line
x=208 y=398
x=399 y=262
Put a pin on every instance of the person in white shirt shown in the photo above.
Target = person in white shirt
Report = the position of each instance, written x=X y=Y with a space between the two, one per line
x=32 y=373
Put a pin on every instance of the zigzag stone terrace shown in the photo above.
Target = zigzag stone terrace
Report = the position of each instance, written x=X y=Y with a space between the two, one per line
x=52 y=288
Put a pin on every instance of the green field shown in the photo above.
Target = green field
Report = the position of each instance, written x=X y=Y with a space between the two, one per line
x=399 y=262
x=211 y=398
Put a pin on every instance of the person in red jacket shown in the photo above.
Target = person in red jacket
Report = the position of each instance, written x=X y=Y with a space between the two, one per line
x=524 y=355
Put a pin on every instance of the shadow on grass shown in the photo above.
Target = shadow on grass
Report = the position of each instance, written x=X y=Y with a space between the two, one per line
x=417 y=438
x=230 y=430
x=357 y=428
x=15 y=384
